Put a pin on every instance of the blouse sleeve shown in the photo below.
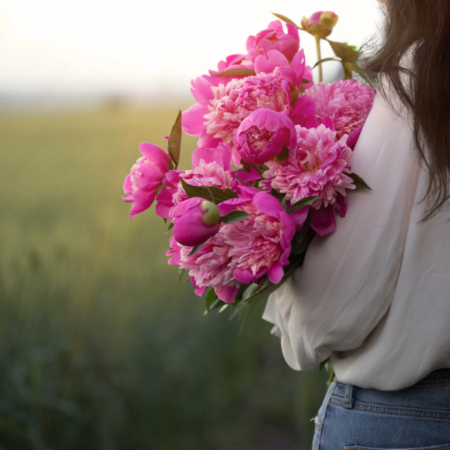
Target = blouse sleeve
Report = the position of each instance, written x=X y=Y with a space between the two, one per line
x=348 y=279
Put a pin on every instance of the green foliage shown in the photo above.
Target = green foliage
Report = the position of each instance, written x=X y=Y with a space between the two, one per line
x=285 y=19
x=345 y=52
x=302 y=203
x=359 y=182
x=236 y=73
x=325 y=60
x=210 y=298
x=100 y=346
x=323 y=364
x=174 y=143
x=212 y=193
x=235 y=216
x=195 y=249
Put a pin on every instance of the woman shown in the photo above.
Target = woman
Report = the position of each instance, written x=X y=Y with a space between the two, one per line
x=374 y=296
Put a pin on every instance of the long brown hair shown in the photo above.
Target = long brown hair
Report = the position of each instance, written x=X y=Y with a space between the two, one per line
x=424 y=27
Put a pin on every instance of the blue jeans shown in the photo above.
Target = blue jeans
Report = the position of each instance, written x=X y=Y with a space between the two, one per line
x=352 y=418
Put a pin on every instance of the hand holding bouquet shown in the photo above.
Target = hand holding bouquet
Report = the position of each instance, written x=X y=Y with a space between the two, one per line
x=272 y=167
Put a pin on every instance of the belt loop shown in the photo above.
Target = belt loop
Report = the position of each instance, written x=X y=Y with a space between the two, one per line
x=348 y=399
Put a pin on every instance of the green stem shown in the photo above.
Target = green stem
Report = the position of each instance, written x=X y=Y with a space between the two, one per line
x=319 y=56
x=331 y=377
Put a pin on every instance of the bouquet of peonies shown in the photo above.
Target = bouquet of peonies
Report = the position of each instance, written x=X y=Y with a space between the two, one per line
x=271 y=170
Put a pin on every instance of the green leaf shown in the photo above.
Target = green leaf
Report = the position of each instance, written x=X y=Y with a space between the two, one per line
x=302 y=203
x=250 y=308
x=196 y=249
x=344 y=51
x=236 y=73
x=181 y=272
x=244 y=292
x=282 y=156
x=283 y=202
x=209 y=299
x=348 y=70
x=305 y=81
x=246 y=166
x=331 y=377
x=276 y=194
x=322 y=365
x=269 y=287
x=217 y=303
x=223 y=308
x=169 y=228
x=360 y=72
x=235 y=216
x=304 y=239
x=359 y=182
x=174 y=144
x=325 y=60
x=203 y=192
x=285 y=19
x=253 y=287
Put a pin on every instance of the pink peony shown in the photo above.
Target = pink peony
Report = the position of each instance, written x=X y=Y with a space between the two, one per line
x=319 y=166
x=171 y=183
x=145 y=178
x=211 y=168
x=263 y=135
x=210 y=266
x=239 y=98
x=274 y=38
x=346 y=102
x=221 y=108
x=261 y=244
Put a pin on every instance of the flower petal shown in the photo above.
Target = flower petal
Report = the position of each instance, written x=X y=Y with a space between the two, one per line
x=267 y=64
x=127 y=185
x=201 y=90
x=298 y=66
x=221 y=155
x=299 y=217
x=226 y=293
x=323 y=220
x=276 y=273
x=193 y=120
x=185 y=206
x=267 y=204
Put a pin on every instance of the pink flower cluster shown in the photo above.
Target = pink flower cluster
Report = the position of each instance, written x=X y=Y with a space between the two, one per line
x=268 y=139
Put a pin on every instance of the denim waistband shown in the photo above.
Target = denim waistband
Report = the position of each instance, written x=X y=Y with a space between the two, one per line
x=419 y=396
x=438 y=377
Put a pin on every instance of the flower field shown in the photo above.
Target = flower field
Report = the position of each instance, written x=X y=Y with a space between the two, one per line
x=100 y=347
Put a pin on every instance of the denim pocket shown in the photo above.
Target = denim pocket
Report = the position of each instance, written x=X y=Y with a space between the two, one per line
x=435 y=447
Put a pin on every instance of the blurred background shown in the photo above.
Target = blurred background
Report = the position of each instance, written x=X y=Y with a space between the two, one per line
x=100 y=346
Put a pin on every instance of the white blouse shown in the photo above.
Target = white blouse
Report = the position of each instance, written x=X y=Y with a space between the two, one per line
x=375 y=294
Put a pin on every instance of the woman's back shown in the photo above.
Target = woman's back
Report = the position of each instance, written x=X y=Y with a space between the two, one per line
x=375 y=294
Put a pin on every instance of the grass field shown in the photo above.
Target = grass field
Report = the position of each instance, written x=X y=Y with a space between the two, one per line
x=100 y=347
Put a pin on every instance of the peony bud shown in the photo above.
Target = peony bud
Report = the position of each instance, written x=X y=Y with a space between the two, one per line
x=196 y=220
x=320 y=24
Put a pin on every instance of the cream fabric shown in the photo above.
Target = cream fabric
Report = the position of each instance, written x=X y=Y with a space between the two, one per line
x=375 y=294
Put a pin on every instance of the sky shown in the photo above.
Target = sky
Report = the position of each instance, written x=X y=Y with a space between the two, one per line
x=152 y=47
